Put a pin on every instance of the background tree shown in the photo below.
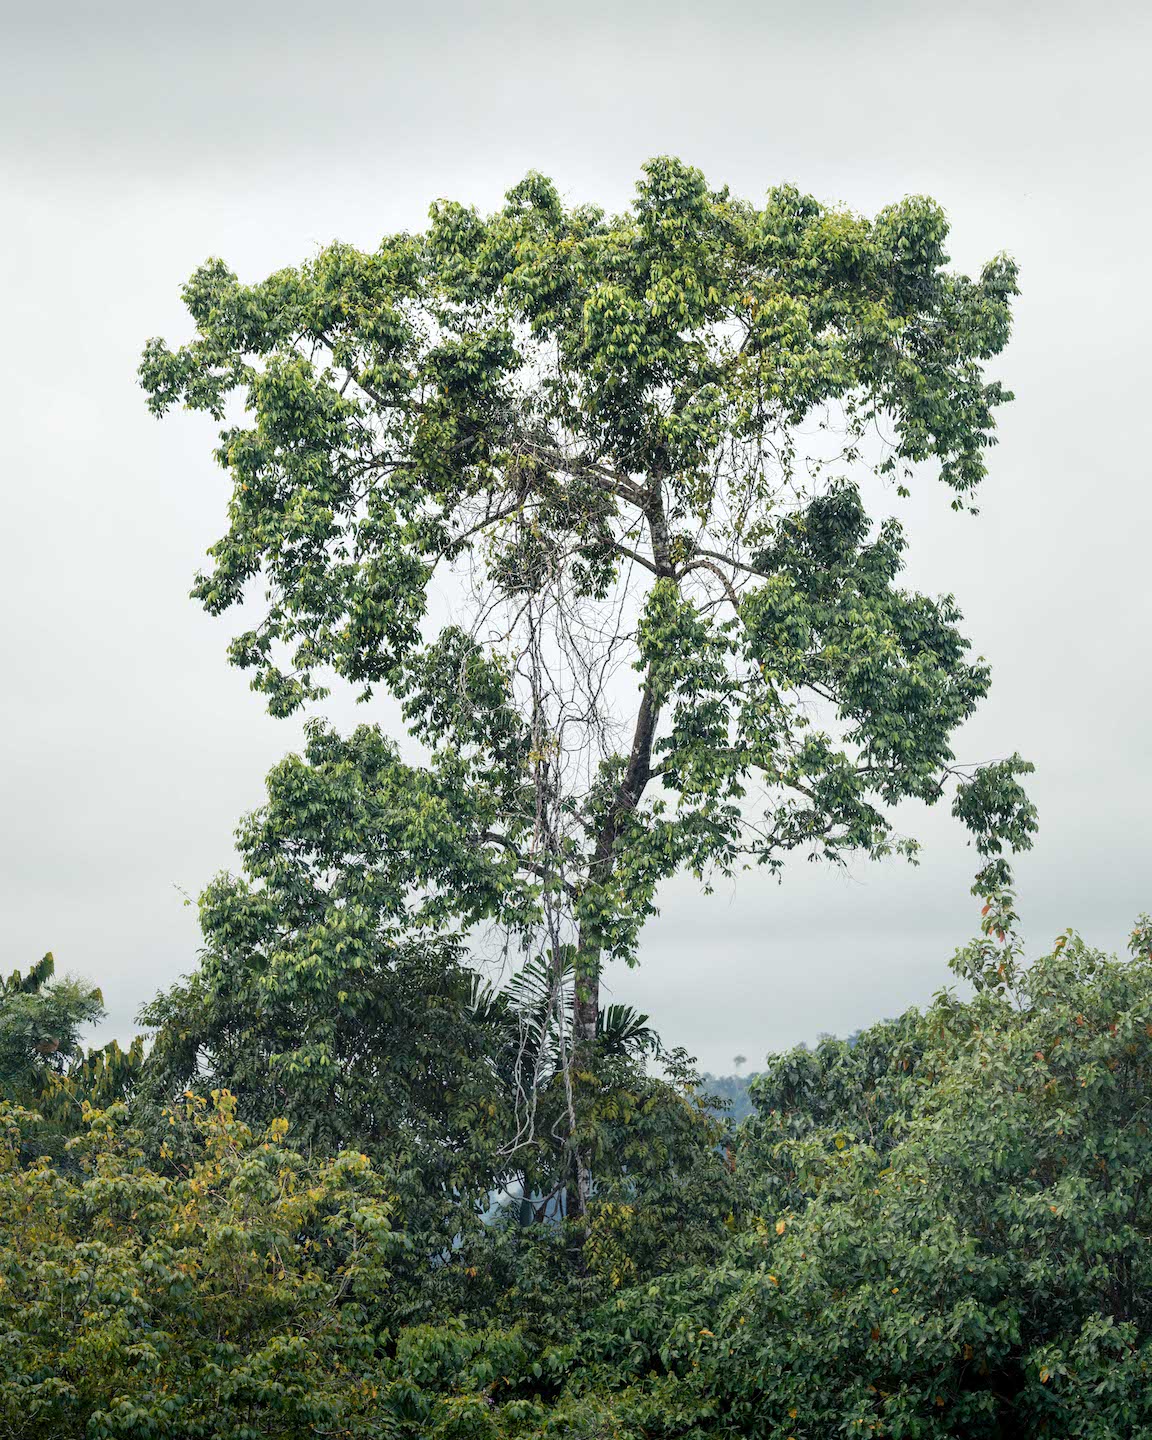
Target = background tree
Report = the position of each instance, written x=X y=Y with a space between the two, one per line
x=43 y=1064
x=631 y=456
x=41 y=1020
x=947 y=1227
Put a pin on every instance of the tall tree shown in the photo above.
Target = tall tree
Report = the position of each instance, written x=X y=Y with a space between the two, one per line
x=629 y=456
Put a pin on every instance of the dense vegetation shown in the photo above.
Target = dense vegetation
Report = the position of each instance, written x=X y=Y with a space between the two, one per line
x=354 y=1186
x=940 y=1230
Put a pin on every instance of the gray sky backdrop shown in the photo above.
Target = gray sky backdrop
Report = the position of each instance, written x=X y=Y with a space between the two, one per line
x=136 y=139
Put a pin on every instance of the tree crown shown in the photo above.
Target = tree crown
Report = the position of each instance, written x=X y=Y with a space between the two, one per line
x=611 y=448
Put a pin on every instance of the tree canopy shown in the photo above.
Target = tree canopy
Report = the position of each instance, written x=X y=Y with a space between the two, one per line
x=589 y=496
x=940 y=1230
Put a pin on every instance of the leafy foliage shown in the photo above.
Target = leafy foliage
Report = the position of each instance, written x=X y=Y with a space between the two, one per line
x=44 y=1066
x=321 y=999
x=40 y=1023
x=678 y=640
x=947 y=1230
x=941 y=1230
x=220 y=1301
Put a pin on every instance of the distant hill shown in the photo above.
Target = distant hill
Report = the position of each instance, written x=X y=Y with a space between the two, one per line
x=734 y=1089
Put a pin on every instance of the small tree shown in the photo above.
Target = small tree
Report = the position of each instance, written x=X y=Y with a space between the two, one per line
x=43 y=1064
x=632 y=454
x=356 y=1045
x=41 y=1018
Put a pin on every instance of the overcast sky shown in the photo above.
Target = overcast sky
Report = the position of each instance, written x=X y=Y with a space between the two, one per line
x=137 y=139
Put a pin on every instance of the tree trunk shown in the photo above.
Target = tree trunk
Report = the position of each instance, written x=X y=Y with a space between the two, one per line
x=586 y=993
x=585 y=1023
x=637 y=773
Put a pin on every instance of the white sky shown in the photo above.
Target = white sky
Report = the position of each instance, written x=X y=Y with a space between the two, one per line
x=137 y=139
